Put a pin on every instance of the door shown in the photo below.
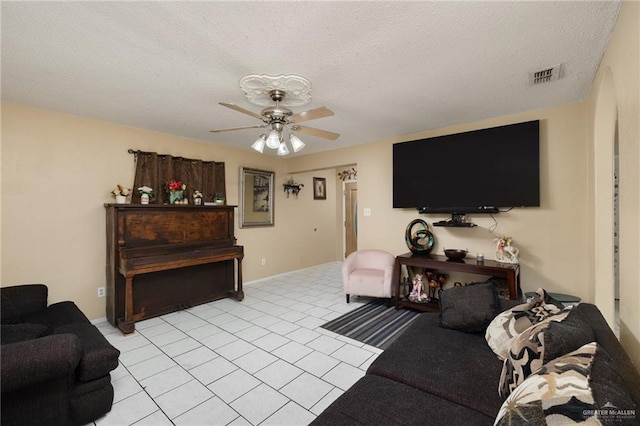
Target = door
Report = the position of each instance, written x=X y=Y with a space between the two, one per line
x=350 y=217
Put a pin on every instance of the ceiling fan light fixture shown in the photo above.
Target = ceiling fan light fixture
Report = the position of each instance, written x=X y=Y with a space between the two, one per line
x=258 y=145
x=273 y=141
x=296 y=143
x=280 y=122
x=283 y=150
x=258 y=89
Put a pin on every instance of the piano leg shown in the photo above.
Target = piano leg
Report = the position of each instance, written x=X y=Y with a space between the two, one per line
x=238 y=293
x=128 y=324
x=127 y=327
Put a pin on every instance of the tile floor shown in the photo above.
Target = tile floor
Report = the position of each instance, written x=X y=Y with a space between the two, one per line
x=262 y=361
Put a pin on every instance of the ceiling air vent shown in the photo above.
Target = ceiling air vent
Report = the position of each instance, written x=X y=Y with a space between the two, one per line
x=544 y=75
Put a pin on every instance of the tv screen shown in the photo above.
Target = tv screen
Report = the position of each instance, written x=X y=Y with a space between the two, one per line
x=477 y=171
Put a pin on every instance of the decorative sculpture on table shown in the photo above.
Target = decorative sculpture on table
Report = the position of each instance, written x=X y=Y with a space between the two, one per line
x=420 y=241
x=436 y=284
x=418 y=294
x=197 y=197
x=441 y=278
x=505 y=251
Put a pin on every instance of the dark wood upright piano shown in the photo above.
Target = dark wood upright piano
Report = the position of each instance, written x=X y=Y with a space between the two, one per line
x=163 y=258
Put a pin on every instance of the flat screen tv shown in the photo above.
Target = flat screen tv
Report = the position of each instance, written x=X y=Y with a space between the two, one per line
x=473 y=172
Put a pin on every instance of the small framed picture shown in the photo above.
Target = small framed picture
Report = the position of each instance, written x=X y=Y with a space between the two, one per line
x=319 y=188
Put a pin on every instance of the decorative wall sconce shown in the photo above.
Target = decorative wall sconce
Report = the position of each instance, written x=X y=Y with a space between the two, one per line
x=348 y=174
x=290 y=187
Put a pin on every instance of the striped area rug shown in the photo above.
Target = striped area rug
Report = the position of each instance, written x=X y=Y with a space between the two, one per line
x=374 y=323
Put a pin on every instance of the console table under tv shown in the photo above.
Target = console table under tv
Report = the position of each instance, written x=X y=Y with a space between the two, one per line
x=163 y=258
x=511 y=272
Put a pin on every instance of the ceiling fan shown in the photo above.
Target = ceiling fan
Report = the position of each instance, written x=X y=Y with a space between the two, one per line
x=280 y=118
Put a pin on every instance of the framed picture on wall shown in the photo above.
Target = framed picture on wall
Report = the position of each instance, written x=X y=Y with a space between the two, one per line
x=319 y=188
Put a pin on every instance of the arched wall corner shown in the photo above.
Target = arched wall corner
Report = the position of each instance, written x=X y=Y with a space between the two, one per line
x=605 y=122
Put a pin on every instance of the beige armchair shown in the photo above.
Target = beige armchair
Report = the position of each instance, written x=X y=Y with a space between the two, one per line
x=368 y=273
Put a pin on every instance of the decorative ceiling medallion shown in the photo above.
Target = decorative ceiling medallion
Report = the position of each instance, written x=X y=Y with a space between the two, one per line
x=257 y=89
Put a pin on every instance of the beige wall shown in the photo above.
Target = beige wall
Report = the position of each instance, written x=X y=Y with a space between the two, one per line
x=552 y=239
x=616 y=96
x=57 y=171
x=566 y=244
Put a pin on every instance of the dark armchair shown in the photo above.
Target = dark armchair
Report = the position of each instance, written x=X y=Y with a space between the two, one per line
x=55 y=364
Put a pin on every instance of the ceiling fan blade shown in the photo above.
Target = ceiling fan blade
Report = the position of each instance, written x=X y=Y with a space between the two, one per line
x=257 y=126
x=242 y=110
x=312 y=114
x=316 y=132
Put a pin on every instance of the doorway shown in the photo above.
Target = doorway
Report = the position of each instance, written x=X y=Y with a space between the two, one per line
x=350 y=217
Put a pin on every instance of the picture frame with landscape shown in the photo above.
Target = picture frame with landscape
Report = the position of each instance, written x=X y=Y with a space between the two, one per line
x=256 y=197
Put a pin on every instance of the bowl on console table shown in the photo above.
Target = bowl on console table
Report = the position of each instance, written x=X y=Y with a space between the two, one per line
x=455 y=254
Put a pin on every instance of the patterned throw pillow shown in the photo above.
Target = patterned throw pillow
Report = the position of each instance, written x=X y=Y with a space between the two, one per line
x=549 y=339
x=506 y=326
x=579 y=387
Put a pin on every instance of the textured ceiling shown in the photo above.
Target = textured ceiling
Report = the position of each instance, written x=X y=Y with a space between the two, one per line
x=384 y=68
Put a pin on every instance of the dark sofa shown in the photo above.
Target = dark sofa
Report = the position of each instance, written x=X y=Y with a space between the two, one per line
x=433 y=375
x=55 y=364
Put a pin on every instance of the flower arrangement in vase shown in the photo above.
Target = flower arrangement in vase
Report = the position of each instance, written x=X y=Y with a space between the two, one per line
x=146 y=194
x=176 y=189
x=121 y=193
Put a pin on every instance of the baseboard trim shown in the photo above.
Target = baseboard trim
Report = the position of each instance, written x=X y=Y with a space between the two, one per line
x=289 y=272
x=98 y=320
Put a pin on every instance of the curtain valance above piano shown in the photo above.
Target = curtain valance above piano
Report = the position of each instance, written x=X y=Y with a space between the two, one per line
x=157 y=170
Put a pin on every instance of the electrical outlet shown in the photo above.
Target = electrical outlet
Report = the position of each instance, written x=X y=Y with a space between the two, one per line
x=263 y=261
x=102 y=291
